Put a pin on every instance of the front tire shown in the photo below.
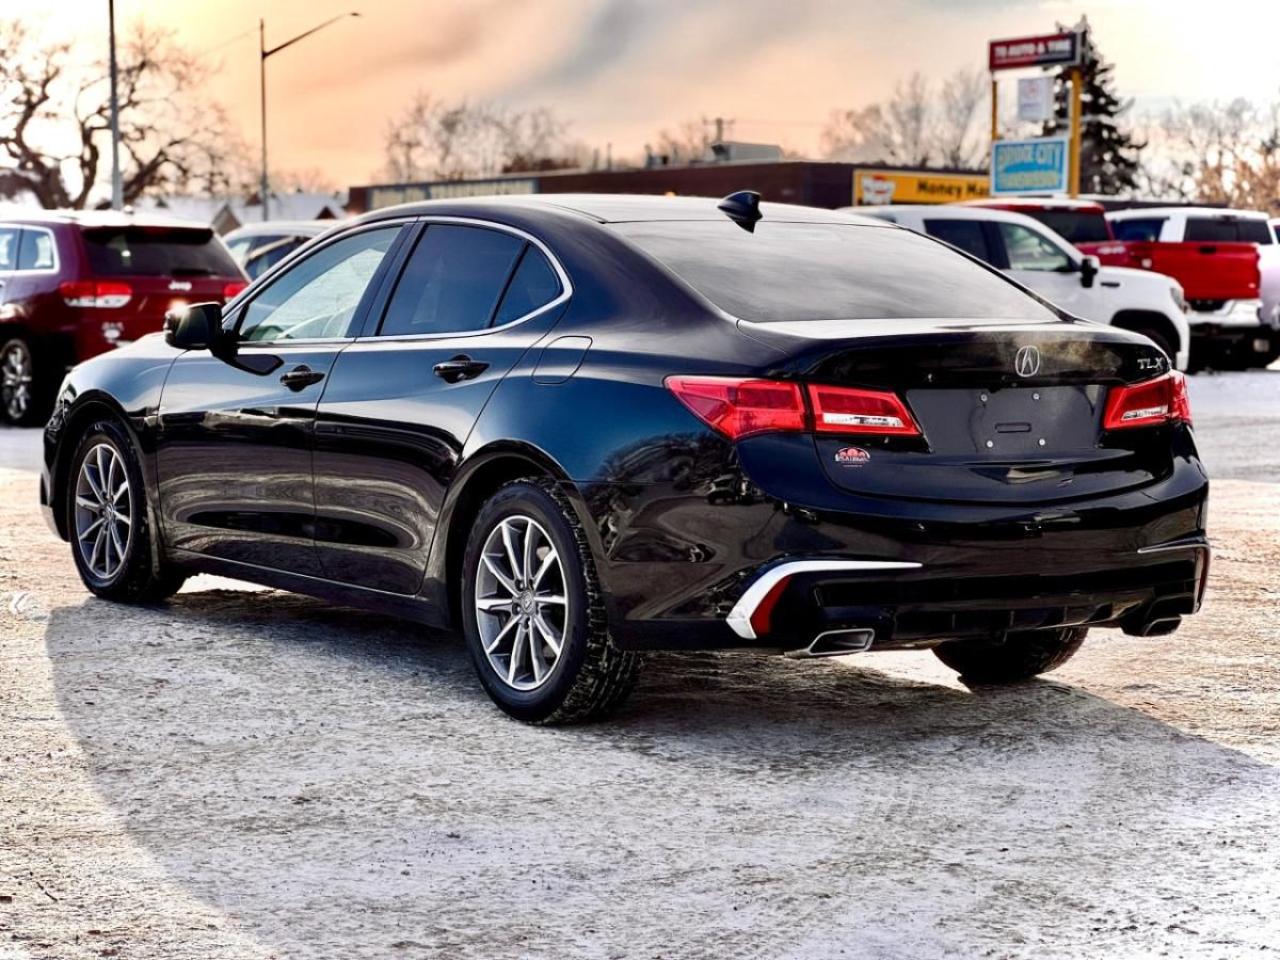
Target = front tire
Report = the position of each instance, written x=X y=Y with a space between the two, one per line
x=532 y=611
x=1020 y=656
x=108 y=524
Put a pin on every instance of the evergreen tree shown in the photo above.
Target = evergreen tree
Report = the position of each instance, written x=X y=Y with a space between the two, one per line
x=1109 y=155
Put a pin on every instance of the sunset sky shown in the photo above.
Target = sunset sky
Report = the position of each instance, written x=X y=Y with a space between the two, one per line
x=619 y=70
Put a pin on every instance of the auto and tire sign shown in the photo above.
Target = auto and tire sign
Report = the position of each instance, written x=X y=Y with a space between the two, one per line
x=1045 y=164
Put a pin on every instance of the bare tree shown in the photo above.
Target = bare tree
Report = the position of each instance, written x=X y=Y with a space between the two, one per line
x=55 y=124
x=914 y=128
x=434 y=140
x=958 y=134
x=1216 y=153
x=687 y=143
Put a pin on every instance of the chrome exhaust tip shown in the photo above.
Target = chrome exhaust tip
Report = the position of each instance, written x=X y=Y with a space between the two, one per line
x=836 y=643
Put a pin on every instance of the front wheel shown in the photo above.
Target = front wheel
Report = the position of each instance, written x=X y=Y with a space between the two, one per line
x=1020 y=656
x=108 y=523
x=532 y=611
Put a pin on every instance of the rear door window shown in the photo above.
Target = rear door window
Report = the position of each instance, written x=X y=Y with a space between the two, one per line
x=968 y=235
x=452 y=281
x=156 y=252
x=1138 y=230
x=36 y=252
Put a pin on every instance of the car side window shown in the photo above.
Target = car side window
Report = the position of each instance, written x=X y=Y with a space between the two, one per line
x=317 y=298
x=1028 y=250
x=1141 y=230
x=533 y=285
x=452 y=281
x=8 y=248
x=35 y=252
x=968 y=235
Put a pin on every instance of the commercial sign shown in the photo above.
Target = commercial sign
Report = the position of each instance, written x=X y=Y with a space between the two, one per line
x=1035 y=99
x=905 y=186
x=1029 y=166
x=1052 y=49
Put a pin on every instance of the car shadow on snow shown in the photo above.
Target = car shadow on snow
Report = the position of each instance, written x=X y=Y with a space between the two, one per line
x=339 y=783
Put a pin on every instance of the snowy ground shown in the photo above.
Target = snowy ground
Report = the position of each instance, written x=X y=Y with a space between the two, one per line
x=251 y=774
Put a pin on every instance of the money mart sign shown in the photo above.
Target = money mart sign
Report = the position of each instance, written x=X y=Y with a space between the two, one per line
x=1029 y=166
x=909 y=186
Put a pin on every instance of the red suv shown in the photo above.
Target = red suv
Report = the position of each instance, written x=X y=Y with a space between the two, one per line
x=73 y=285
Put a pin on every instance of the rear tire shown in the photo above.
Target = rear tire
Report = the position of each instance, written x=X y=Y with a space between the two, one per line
x=1020 y=657
x=108 y=521
x=529 y=585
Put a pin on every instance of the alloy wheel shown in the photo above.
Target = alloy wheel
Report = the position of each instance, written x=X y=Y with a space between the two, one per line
x=16 y=371
x=103 y=511
x=521 y=602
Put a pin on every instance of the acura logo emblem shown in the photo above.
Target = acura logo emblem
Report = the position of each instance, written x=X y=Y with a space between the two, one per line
x=1027 y=362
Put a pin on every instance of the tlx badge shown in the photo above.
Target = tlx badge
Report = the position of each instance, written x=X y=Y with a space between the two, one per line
x=852 y=456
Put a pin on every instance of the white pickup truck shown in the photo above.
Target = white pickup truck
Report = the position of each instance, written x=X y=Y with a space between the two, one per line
x=1035 y=256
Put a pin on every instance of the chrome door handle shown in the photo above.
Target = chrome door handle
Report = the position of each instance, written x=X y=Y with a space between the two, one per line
x=301 y=376
x=460 y=367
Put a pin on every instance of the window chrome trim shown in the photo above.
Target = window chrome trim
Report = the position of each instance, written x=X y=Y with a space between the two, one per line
x=34 y=271
x=566 y=287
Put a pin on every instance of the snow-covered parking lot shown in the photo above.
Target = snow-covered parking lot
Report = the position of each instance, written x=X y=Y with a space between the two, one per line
x=242 y=773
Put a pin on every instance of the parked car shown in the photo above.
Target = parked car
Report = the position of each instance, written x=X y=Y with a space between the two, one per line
x=1044 y=262
x=258 y=247
x=1229 y=265
x=580 y=427
x=1076 y=221
x=75 y=284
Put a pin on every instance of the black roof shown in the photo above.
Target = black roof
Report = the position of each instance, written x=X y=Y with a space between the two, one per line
x=612 y=208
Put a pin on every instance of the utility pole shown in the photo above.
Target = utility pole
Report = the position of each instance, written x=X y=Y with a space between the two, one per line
x=117 y=182
x=263 y=53
x=262 y=90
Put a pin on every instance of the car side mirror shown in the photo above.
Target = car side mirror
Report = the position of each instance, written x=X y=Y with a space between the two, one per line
x=194 y=327
x=1089 y=271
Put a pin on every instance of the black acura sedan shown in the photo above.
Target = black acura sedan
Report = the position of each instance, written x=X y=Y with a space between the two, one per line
x=582 y=427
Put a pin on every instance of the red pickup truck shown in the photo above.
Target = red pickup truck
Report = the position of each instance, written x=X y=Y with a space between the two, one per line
x=1220 y=277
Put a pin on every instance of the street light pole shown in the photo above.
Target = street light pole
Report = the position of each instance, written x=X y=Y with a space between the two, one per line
x=117 y=184
x=262 y=89
x=263 y=53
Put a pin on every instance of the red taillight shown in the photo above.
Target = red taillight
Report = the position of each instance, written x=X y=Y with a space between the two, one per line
x=741 y=407
x=1162 y=400
x=98 y=294
x=845 y=410
x=233 y=289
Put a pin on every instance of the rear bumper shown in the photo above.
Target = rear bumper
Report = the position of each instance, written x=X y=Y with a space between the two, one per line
x=915 y=607
x=685 y=565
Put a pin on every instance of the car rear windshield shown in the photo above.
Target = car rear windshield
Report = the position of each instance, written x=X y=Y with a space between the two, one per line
x=157 y=252
x=1227 y=230
x=828 y=271
x=1074 y=226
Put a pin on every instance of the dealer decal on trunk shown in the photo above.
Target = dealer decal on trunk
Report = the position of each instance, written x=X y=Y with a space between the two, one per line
x=852 y=456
